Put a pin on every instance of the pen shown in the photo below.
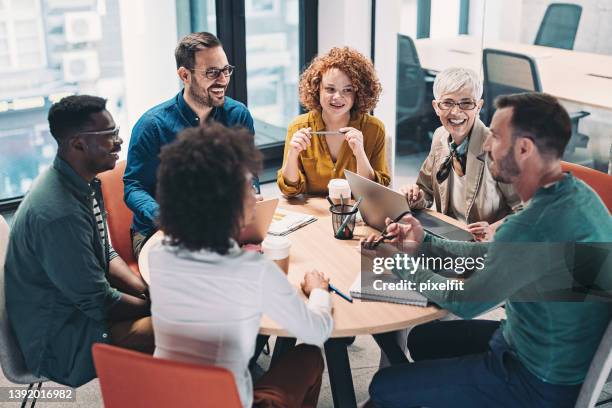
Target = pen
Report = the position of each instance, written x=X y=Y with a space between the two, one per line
x=348 y=218
x=383 y=235
x=335 y=290
x=327 y=132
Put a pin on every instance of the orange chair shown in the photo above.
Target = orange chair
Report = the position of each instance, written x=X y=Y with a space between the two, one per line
x=599 y=181
x=137 y=380
x=119 y=215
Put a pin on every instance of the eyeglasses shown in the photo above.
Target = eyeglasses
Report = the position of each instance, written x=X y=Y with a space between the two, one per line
x=112 y=134
x=213 y=73
x=450 y=104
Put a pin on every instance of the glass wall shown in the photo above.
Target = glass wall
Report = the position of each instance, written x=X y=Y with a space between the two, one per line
x=272 y=51
x=571 y=51
x=50 y=49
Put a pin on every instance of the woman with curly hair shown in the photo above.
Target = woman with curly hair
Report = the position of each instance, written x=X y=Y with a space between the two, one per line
x=209 y=293
x=339 y=89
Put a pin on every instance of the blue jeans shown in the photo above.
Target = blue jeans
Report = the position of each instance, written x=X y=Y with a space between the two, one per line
x=464 y=364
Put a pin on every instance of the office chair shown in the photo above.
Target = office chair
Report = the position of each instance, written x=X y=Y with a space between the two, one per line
x=599 y=181
x=149 y=382
x=598 y=375
x=414 y=115
x=11 y=358
x=119 y=215
x=559 y=25
x=507 y=73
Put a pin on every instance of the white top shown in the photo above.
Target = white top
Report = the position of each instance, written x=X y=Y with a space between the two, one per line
x=457 y=203
x=207 y=307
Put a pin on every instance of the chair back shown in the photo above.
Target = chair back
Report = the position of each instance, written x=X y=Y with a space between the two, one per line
x=507 y=73
x=119 y=216
x=11 y=358
x=411 y=87
x=597 y=180
x=128 y=378
x=559 y=26
x=598 y=374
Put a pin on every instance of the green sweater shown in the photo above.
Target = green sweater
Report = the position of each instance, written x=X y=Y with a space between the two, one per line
x=555 y=340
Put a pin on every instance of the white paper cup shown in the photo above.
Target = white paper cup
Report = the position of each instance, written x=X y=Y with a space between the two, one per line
x=277 y=249
x=339 y=188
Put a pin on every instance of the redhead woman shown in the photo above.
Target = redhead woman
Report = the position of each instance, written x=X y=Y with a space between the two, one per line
x=338 y=89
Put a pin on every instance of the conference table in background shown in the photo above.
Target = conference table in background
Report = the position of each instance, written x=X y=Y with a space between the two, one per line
x=573 y=76
x=314 y=247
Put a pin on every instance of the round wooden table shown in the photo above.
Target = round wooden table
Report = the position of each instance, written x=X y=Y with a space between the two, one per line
x=314 y=247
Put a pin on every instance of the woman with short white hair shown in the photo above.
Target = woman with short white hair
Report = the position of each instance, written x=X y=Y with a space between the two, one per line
x=452 y=176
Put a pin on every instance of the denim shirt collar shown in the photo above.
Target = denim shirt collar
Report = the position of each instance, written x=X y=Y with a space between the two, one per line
x=188 y=114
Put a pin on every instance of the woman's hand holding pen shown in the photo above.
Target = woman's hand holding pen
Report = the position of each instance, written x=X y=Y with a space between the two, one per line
x=300 y=141
x=354 y=138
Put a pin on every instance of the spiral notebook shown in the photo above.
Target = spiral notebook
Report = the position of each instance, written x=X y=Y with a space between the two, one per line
x=367 y=291
x=285 y=222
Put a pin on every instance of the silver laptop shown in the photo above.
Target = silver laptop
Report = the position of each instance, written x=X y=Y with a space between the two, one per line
x=380 y=202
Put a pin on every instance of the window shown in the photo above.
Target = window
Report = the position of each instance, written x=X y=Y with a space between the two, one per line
x=195 y=16
x=272 y=57
x=50 y=49
x=21 y=37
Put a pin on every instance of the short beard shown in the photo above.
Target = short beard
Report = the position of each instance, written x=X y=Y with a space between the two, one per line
x=201 y=96
x=507 y=168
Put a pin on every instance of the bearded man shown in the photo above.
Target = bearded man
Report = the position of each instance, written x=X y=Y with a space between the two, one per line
x=203 y=68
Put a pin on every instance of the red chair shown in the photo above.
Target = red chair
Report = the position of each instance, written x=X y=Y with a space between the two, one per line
x=119 y=215
x=137 y=380
x=597 y=180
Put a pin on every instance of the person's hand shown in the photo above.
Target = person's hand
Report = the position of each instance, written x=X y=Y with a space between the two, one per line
x=300 y=140
x=370 y=243
x=412 y=192
x=354 y=139
x=313 y=280
x=482 y=231
x=258 y=197
x=410 y=231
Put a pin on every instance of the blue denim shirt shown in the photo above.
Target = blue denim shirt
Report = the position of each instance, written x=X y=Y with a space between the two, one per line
x=156 y=128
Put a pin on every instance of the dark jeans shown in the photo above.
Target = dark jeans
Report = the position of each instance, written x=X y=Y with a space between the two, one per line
x=464 y=363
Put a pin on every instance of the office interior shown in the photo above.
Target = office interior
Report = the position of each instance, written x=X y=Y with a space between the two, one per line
x=122 y=50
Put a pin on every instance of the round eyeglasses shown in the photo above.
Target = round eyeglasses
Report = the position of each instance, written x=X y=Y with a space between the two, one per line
x=463 y=105
x=213 y=73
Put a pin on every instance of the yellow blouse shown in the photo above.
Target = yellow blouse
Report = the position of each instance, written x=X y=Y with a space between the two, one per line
x=315 y=164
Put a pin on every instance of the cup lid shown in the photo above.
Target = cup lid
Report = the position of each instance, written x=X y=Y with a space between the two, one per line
x=276 y=242
x=338 y=183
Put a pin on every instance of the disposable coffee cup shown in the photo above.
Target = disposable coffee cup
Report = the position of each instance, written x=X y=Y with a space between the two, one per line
x=277 y=249
x=339 y=188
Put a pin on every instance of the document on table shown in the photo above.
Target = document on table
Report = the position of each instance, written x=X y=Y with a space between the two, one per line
x=285 y=222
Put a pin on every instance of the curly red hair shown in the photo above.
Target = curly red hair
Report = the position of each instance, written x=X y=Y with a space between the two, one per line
x=355 y=65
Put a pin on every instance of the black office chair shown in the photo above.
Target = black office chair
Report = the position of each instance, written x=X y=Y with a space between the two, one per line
x=507 y=73
x=559 y=25
x=415 y=117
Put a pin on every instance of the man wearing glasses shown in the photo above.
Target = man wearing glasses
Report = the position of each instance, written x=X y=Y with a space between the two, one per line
x=205 y=72
x=452 y=176
x=66 y=288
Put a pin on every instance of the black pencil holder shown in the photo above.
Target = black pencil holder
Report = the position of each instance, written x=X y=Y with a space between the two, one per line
x=343 y=221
